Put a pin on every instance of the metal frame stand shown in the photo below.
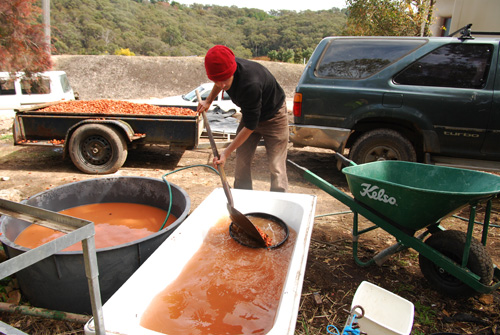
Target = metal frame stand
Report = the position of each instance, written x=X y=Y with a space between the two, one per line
x=76 y=230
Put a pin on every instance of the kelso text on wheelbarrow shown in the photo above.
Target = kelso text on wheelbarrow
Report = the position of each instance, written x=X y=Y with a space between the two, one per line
x=376 y=193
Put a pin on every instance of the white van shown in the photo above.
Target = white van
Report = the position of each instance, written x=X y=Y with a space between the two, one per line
x=40 y=88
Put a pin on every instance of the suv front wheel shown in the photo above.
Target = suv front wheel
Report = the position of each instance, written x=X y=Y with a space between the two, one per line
x=382 y=144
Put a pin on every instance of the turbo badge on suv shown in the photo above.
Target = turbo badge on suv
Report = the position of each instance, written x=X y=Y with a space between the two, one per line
x=428 y=99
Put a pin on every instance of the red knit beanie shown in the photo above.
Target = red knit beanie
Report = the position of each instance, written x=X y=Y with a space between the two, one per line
x=220 y=63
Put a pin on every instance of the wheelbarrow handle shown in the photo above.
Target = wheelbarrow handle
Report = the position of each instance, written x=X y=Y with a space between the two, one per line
x=325 y=186
x=345 y=160
x=297 y=166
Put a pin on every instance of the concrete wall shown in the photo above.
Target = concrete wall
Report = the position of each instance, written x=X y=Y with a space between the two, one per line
x=483 y=14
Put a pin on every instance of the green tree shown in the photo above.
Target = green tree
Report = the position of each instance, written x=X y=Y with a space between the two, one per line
x=273 y=55
x=242 y=52
x=301 y=56
x=22 y=39
x=389 y=17
x=306 y=54
x=152 y=47
x=172 y=29
x=285 y=55
x=297 y=56
x=172 y=35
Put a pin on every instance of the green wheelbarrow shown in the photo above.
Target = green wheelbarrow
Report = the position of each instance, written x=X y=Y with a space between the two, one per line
x=409 y=200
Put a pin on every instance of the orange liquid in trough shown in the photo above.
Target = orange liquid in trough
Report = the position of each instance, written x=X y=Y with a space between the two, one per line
x=114 y=223
x=225 y=288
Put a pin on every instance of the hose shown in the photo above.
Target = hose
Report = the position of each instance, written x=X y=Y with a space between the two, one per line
x=215 y=170
x=170 y=188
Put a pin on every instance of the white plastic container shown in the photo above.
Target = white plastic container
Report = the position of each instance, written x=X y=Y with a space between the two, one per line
x=385 y=312
x=123 y=311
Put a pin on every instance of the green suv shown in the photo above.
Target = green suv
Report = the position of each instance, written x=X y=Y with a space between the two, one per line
x=428 y=99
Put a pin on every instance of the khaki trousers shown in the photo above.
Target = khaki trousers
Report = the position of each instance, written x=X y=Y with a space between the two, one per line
x=275 y=134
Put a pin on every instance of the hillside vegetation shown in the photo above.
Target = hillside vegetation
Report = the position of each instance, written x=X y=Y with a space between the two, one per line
x=159 y=28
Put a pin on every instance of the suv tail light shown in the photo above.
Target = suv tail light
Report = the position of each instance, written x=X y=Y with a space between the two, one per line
x=297 y=105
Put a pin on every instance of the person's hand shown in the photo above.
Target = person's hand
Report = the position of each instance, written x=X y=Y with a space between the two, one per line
x=203 y=106
x=221 y=160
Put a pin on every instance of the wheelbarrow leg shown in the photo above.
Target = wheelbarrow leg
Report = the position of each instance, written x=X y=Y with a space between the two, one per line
x=486 y=222
x=355 y=240
x=384 y=255
x=470 y=229
x=380 y=257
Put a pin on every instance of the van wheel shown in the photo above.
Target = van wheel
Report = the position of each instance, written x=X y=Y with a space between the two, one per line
x=382 y=145
x=97 y=149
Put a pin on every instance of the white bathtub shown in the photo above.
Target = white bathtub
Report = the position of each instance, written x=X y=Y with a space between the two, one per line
x=123 y=311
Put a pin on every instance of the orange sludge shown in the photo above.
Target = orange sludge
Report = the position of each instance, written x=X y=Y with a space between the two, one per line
x=225 y=288
x=115 y=224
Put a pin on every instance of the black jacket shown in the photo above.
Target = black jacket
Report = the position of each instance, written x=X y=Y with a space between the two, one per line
x=256 y=92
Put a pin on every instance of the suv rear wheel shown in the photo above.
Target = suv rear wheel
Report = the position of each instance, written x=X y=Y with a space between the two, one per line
x=382 y=144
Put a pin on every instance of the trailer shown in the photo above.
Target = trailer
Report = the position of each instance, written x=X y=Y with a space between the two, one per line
x=98 y=143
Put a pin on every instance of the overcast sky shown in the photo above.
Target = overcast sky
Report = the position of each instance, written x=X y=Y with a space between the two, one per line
x=267 y=5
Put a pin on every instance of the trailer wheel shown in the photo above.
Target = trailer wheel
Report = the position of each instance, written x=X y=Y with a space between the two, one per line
x=97 y=149
x=382 y=144
x=451 y=243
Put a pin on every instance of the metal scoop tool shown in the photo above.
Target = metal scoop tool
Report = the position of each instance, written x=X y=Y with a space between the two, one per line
x=237 y=218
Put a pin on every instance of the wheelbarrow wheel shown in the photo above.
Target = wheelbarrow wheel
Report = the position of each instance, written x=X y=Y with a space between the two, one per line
x=451 y=243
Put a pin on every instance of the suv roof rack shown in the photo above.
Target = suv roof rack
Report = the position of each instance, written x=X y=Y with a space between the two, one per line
x=467 y=33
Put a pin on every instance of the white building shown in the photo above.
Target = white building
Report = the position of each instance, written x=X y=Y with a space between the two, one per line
x=455 y=14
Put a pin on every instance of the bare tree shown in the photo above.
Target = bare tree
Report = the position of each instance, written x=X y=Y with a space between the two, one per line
x=23 y=46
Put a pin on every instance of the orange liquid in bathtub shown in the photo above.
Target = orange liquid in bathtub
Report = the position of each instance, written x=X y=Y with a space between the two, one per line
x=114 y=223
x=225 y=288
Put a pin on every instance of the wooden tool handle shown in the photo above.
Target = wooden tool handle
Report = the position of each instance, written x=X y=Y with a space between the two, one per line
x=207 y=127
x=225 y=184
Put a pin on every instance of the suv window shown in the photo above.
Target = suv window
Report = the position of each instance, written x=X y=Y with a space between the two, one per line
x=361 y=58
x=452 y=65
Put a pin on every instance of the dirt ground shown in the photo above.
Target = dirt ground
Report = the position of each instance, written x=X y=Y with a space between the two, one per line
x=331 y=276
